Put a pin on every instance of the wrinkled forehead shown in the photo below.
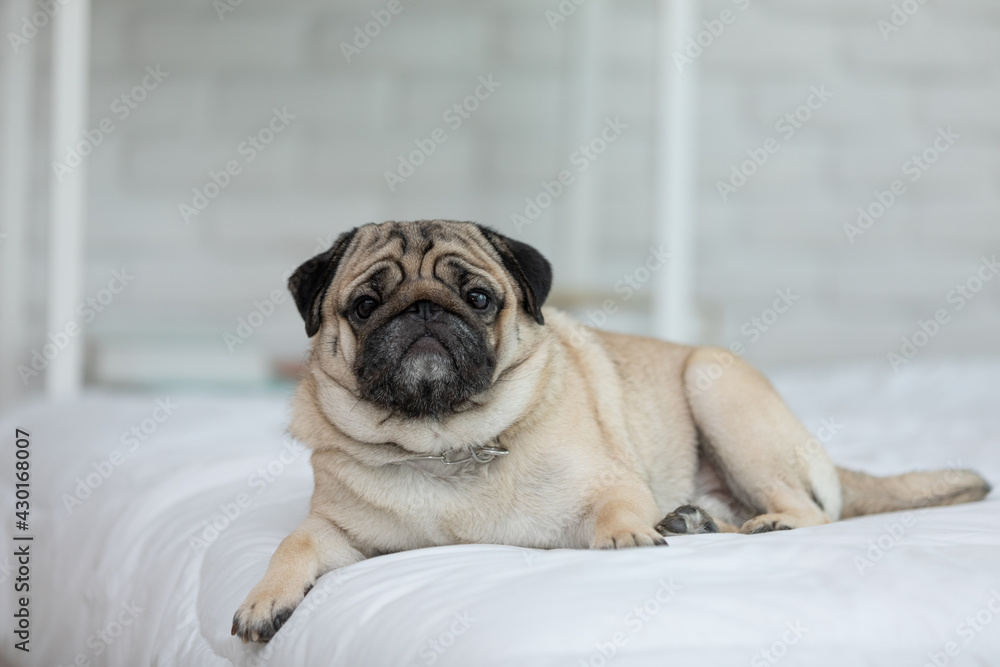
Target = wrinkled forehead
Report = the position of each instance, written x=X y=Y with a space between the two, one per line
x=387 y=255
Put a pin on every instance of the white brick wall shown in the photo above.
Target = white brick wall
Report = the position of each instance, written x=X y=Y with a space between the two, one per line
x=324 y=174
x=784 y=226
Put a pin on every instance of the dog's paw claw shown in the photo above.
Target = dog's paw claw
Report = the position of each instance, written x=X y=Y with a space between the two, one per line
x=755 y=527
x=263 y=613
x=280 y=617
x=629 y=539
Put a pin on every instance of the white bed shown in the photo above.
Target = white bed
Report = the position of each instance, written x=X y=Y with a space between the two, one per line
x=816 y=596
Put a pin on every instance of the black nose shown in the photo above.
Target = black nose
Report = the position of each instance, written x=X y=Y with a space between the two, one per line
x=423 y=310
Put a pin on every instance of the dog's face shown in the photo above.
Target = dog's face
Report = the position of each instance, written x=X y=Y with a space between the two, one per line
x=420 y=317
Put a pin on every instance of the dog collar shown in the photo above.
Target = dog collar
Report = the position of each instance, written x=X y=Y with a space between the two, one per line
x=479 y=454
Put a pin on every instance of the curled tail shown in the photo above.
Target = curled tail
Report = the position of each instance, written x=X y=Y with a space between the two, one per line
x=867 y=494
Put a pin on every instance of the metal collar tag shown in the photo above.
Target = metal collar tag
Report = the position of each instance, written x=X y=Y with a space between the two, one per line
x=480 y=454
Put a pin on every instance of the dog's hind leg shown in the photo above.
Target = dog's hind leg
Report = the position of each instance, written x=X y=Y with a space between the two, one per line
x=766 y=457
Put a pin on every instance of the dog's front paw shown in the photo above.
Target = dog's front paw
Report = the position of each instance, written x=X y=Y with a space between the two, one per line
x=265 y=610
x=623 y=537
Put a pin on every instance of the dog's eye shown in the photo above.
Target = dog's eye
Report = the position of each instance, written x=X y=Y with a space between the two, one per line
x=364 y=306
x=478 y=299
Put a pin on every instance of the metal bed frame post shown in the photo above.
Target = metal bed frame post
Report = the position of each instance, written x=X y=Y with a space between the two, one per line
x=15 y=199
x=676 y=181
x=68 y=202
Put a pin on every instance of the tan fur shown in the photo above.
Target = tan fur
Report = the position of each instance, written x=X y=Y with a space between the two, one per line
x=866 y=494
x=607 y=434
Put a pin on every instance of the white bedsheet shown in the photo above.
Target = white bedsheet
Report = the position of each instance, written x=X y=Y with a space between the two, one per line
x=818 y=596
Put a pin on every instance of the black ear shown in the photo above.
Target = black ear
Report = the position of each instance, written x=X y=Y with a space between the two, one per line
x=310 y=281
x=530 y=270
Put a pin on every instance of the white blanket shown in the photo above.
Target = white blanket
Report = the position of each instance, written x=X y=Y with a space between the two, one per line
x=136 y=574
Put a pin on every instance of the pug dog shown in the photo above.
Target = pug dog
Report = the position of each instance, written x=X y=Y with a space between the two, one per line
x=444 y=405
